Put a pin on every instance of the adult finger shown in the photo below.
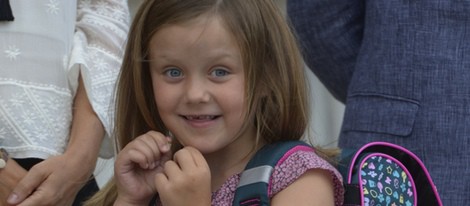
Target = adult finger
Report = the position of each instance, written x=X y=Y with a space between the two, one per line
x=27 y=185
x=39 y=197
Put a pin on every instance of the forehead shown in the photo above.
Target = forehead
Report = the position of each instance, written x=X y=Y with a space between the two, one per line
x=204 y=33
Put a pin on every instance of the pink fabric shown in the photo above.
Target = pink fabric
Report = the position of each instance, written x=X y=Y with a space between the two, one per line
x=284 y=174
x=296 y=165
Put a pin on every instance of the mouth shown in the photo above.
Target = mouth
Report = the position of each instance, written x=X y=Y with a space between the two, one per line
x=200 y=117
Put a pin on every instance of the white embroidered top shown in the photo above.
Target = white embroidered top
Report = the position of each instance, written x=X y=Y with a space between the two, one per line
x=41 y=54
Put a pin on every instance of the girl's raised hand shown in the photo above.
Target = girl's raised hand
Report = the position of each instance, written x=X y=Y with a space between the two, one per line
x=185 y=180
x=136 y=166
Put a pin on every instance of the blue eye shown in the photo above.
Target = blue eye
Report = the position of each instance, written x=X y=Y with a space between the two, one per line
x=219 y=72
x=173 y=72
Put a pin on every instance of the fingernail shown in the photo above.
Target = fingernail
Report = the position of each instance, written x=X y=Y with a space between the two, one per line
x=12 y=198
x=166 y=147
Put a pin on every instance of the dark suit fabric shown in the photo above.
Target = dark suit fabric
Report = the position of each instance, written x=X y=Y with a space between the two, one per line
x=402 y=68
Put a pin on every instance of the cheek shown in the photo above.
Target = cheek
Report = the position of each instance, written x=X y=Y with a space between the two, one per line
x=234 y=103
x=163 y=97
x=155 y=86
x=239 y=98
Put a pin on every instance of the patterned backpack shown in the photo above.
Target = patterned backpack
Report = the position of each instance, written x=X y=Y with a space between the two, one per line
x=381 y=173
x=378 y=174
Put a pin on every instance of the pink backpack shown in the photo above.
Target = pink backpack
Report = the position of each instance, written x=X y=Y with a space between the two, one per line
x=381 y=173
x=377 y=174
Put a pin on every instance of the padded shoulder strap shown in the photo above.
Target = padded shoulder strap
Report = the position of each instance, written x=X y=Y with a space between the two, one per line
x=253 y=187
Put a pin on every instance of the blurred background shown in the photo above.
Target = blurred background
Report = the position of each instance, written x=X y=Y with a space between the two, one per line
x=326 y=114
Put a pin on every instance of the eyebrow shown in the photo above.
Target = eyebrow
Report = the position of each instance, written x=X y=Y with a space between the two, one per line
x=216 y=56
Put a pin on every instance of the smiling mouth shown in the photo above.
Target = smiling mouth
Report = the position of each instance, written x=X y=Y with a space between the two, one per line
x=200 y=117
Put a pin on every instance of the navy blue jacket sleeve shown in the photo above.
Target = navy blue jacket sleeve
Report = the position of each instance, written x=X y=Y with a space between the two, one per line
x=330 y=34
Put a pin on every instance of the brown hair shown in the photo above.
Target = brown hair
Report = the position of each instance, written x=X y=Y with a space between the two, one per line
x=276 y=88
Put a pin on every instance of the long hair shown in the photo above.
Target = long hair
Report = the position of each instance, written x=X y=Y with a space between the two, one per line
x=276 y=88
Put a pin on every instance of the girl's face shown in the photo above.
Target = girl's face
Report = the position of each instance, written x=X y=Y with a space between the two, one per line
x=198 y=81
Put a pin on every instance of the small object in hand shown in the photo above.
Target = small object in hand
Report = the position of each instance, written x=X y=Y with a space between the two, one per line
x=3 y=158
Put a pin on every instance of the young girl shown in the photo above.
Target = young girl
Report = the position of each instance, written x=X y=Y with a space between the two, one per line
x=216 y=80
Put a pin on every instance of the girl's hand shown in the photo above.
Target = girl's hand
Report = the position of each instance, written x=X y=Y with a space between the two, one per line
x=186 y=180
x=136 y=166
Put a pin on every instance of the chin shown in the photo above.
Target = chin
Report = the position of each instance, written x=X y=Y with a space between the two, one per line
x=204 y=147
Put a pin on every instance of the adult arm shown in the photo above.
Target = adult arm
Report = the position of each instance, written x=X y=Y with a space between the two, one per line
x=101 y=32
x=57 y=180
x=330 y=35
x=99 y=39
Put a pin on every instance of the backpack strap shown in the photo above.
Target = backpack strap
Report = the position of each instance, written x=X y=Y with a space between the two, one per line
x=253 y=188
x=352 y=192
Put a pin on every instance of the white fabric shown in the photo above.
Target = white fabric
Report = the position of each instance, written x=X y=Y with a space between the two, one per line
x=41 y=54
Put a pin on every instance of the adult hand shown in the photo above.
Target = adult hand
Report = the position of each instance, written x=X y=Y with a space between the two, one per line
x=185 y=180
x=9 y=178
x=136 y=166
x=54 y=181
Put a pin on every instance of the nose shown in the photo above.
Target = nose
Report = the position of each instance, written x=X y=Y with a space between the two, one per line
x=198 y=90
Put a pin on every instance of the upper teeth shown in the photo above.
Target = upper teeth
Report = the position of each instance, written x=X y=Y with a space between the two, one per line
x=202 y=117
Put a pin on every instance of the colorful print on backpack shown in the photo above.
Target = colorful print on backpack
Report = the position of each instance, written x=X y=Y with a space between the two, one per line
x=385 y=181
x=385 y=174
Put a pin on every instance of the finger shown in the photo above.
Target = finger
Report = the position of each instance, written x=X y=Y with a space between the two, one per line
x=184 y=159
x=171 y=169
x=160 y=181
x=27 y=185
x=129 y=158
x=144 y=150
x=39 y=197
x=163 y=142
x=197 y=156
x=160 y=147
x=149 y=147
x=138 y=157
